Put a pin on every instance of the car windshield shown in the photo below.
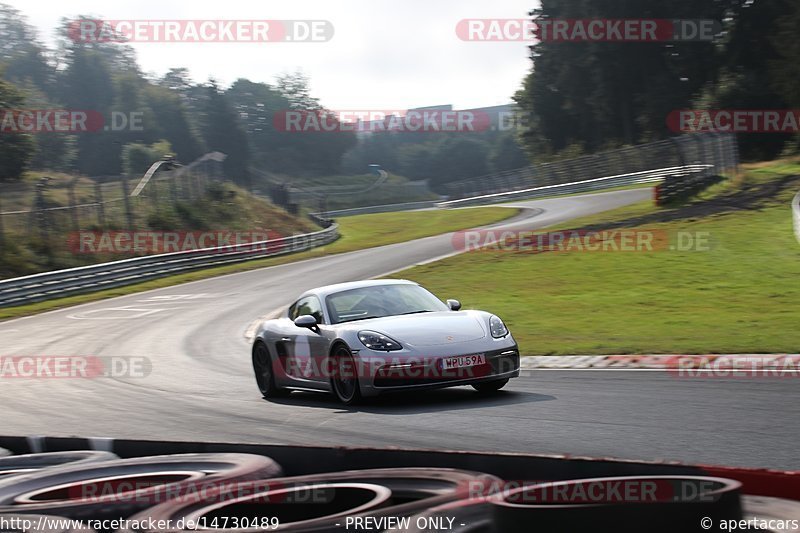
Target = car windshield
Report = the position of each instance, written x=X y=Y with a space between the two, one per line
x=379 y=301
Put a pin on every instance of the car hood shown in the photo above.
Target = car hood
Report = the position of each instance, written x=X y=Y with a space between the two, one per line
x=429 y=329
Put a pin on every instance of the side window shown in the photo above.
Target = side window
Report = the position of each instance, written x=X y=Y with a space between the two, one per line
x=307 y=306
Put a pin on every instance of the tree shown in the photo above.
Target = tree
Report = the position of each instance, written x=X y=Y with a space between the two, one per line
x=785 y=67
x=171 y=122
x=16 y=150
x=744 y=72
x=506 y=154
x=605 y=94
x=87 y=85
x=23 y=56
x=137 y=157
x=295 y=88
x=223 y=132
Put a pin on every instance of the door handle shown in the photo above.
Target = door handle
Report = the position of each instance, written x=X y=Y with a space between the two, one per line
x=286 y=339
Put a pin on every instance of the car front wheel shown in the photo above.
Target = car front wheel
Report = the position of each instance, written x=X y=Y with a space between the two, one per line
x=344 y=378
x=264 y=371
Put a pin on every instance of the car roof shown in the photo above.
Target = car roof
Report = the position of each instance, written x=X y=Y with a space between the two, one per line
x=326 y=290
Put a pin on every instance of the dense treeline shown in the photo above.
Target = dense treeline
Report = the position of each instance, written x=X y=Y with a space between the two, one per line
x=586 y=96
x=148 y=117
x=438 y=157
x=579 y=97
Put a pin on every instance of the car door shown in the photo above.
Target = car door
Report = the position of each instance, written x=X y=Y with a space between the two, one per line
x=306 y=350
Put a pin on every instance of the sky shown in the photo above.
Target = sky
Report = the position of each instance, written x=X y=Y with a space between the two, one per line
x=385 y=54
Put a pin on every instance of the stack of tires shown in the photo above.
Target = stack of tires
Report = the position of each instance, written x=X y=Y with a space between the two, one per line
x=88 y=491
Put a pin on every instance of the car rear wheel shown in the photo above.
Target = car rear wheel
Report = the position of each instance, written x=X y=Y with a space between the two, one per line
x=344 y=378
x=490 y=386
x=265 y=374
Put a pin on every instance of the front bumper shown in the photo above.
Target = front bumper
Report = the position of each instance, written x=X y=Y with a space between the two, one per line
x=500 y=364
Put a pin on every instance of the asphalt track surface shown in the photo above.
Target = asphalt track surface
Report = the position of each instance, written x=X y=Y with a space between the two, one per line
x=201 y=387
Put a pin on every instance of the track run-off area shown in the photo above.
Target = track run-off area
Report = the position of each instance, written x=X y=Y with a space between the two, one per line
x=196 y=381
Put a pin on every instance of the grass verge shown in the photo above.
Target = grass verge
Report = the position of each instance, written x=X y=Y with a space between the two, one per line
x=739 y=295
x=357 y=232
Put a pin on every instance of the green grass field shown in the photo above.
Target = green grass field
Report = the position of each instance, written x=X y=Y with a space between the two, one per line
x=740 y=296
x=357 y=232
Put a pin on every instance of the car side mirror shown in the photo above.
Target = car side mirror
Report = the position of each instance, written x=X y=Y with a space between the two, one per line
x=454 y=305
x=306 y=321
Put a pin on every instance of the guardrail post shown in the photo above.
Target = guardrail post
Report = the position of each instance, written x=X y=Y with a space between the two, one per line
x=127 y=201
x=173 y=189
x=154 y=193
x=73 y=211
x=98 y=198
x=40 y=212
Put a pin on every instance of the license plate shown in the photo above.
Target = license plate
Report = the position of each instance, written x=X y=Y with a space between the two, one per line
x=463 y=361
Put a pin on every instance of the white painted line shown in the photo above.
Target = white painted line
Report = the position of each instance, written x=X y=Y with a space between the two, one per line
x=137 y=313
x=250 y=331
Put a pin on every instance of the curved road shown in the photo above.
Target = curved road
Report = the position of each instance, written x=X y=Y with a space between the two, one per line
x=200 y=386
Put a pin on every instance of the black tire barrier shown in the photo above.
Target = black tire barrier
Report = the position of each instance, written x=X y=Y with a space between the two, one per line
x=243 y=492
x=412 y=490
x=119 y=488
x=25 y=464
x=621 y=504
x=32 y=523
x=312 y=507
x=476 y=517
x=457 y=517
x=765 y=508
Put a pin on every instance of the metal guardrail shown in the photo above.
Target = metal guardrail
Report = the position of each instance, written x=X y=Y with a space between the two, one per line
x=385 y=208
x=605 y=182
x=716 y=149
x=59 y=283
x=796 y=215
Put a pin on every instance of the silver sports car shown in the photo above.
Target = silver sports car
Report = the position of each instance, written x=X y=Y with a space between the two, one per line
x=362 y=338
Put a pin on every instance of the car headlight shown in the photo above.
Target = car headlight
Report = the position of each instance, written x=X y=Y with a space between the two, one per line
x=378 y=341
x=499 y=329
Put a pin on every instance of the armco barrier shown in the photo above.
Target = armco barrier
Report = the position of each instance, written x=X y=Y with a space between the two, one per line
x=48 y=285
x=385 y=208
x=605 y=182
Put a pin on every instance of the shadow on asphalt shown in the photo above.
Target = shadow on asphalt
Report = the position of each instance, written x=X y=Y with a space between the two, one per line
x=401 y=403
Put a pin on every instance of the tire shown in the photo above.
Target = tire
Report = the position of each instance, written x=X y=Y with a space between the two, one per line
x=344 y=377
x=675 y=504
x=85 y=492
x=412 y=490
x=490 y=386
x=265 y=373
x=25 y=464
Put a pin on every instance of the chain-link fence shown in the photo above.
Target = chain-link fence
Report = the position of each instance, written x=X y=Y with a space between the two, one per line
x=716 y=152
x=51 y=206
